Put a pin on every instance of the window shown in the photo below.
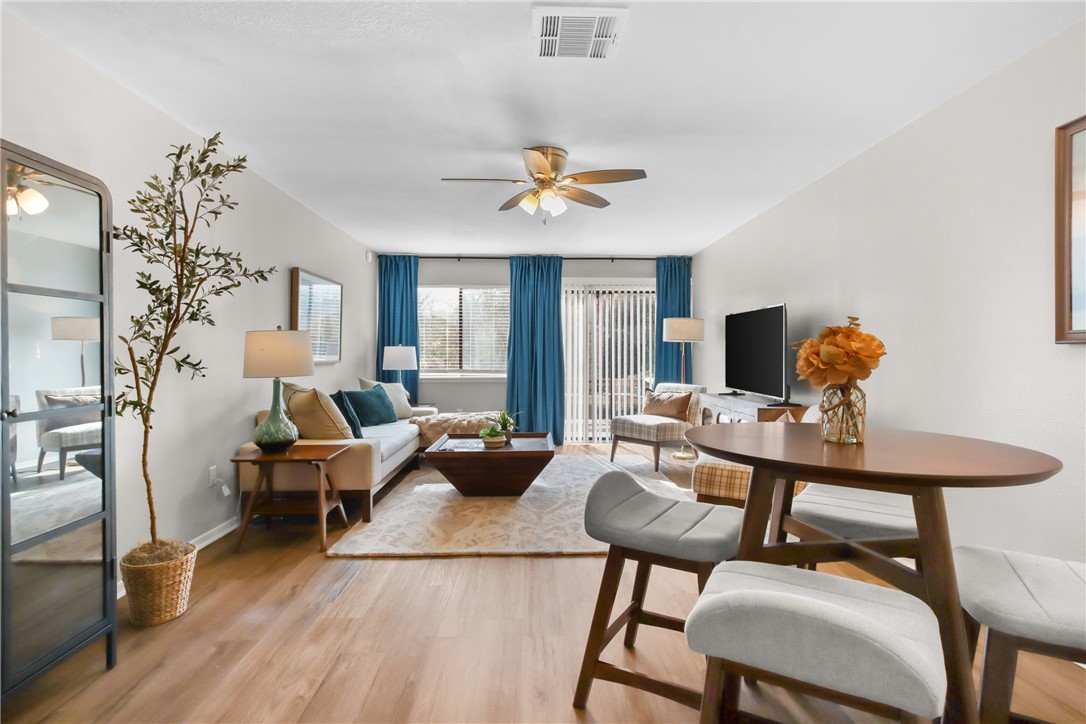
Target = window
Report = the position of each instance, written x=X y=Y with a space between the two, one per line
x=608 y=334
x=463 y=330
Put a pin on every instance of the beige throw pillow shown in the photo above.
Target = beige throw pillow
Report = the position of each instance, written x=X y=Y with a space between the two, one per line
x=396 y=392
x=667 y=404
x=315 y=415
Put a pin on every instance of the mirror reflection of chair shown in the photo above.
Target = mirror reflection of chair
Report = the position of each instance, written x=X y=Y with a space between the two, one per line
x=71 y=433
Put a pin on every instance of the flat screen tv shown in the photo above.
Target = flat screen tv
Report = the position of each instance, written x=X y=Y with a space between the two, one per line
x=755 y=349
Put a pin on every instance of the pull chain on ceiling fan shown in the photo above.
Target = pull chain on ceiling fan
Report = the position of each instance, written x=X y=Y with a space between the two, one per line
x=546 y=166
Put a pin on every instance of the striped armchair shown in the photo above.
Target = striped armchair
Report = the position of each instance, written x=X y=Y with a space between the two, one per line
x=656 y=430
x=79 y=431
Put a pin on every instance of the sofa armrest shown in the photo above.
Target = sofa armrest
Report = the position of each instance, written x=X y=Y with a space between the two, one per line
x=359 y=468
x=423 y=411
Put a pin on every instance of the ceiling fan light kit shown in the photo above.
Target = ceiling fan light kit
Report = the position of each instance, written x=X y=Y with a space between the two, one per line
x=546 y=166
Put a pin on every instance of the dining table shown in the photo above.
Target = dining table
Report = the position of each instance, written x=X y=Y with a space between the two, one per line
x=905 y=462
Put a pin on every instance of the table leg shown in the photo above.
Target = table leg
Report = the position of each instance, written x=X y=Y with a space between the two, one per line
x=942 y=587
x=262 y=474
x=782 y=506
x=322 y=510
x=337 y=499
x=756 y=515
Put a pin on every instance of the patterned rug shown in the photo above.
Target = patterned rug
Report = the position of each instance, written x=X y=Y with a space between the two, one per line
x=425 y=517
x=46 y=507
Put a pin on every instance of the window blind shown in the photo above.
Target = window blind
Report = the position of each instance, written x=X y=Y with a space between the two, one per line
x=608 y=333
x=463 y=329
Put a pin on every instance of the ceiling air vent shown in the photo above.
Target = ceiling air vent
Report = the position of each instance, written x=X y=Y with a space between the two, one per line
x=564 y=32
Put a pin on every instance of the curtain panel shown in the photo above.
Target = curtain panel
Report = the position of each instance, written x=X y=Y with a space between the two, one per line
x=398 y=314
x=535 y=377
x=672 y=300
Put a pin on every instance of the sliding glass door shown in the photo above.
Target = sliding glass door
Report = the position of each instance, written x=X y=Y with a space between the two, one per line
x=607 y=336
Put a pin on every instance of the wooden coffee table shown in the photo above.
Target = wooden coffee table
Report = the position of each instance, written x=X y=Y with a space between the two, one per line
x=475 y=470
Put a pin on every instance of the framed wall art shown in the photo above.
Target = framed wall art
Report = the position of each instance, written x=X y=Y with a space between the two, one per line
x=1071 y=232
x=316 y=306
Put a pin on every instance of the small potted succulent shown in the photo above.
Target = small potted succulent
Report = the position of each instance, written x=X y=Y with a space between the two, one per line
x=505 y=423
x=492 y=437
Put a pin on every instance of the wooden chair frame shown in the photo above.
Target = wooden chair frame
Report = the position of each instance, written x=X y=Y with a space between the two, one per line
x=601 y=633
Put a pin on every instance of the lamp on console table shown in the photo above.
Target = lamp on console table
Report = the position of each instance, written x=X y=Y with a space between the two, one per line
x=400 y=358
x=683 y=330
x=276 y=353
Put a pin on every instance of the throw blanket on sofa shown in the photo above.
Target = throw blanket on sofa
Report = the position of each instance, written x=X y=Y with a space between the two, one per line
x=432 y=427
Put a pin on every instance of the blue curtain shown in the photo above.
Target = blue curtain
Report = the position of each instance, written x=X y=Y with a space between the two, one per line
x=672 y=300
x=535 y=376
x=398 y=314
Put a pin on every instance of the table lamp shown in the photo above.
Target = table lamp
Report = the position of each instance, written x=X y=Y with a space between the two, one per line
x=277 y=353
x=79 y=329
x=400 y=358
x=683 y=330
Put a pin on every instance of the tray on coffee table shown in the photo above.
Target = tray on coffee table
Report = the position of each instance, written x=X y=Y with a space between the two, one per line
x=475 y=470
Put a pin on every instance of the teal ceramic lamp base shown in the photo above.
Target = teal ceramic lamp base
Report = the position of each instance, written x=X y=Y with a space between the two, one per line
x=276 y=433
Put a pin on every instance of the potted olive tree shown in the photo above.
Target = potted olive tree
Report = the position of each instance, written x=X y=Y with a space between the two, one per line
x=181 y=278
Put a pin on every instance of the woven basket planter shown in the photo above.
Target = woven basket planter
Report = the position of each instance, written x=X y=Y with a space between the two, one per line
x=159 y=592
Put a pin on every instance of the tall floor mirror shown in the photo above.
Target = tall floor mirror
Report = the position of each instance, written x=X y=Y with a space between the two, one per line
x=58 y=586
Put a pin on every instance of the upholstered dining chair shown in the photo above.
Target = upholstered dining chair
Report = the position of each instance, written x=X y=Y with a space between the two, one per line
x=656 y=430
x=1028 y=603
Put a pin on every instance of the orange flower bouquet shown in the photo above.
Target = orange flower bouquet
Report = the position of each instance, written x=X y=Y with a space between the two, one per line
x=837 y=359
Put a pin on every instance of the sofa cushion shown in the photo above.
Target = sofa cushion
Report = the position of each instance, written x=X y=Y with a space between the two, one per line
x=396 y=392
x=393 y=436
x=315 y=415
x=372 y=406
x=348 y=413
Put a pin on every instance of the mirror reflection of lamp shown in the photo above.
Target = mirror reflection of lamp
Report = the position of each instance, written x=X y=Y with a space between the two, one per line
x=25 y=199
x=79 y=329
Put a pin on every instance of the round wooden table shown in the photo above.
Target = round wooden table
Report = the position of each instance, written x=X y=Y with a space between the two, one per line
x=917 y=464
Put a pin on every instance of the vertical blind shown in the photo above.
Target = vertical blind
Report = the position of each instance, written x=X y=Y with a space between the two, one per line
x=608 y=333
x=463 y=329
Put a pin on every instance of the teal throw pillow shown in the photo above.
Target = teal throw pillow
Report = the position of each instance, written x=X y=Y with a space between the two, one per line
x=348 y=414
x=372 y=407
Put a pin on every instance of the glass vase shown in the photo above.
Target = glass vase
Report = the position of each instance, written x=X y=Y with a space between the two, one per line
x=843 y=409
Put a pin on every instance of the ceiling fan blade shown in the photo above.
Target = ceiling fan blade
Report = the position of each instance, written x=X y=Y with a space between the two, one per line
x=536 y=163
x=515 y=201
x=583 y=197
x=605 y=177
x=499 y=180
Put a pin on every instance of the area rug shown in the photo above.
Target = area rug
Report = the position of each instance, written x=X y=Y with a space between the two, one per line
x=48 y=507
x=425 y=517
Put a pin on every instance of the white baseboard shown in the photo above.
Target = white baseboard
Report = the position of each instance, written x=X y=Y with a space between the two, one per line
x=201 y=541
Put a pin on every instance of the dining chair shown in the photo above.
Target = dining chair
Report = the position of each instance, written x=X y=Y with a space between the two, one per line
x=865 y=646
x=653 y=530
x=1028 y=603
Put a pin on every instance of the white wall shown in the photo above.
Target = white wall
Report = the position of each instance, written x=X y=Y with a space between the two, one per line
x=941 y=239
x=488 y=393
x=61 y=107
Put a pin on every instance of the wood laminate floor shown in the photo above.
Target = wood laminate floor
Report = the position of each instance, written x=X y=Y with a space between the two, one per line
x=278 y=633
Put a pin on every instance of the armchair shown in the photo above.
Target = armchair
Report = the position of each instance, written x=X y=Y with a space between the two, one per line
x=656 y=430
x=80 y=431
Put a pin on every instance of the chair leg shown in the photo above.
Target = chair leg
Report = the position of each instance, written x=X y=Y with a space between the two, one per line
x=972 y=634
x=641 y=584
x=63 y=462
x=614 y=447
x=656 y=456
x=732 y=683
x=41 y=459
x=997 y=677
x=612 y=575
x=712 y=695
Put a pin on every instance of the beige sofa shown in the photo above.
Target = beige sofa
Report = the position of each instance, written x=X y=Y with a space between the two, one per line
x=362 y=473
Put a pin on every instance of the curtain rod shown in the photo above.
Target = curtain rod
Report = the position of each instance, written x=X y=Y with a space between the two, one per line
x=565 y=258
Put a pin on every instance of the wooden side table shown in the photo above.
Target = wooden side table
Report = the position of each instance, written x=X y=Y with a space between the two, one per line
x=327 y=497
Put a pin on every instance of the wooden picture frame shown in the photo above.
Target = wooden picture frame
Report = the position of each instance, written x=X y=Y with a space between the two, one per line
x=1071 y=232
x=316 y=306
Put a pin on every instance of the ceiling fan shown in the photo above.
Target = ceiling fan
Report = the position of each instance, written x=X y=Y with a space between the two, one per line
x=546 y=167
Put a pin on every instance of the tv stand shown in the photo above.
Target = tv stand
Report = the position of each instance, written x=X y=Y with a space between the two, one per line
x=731 y=408
x=731 y=393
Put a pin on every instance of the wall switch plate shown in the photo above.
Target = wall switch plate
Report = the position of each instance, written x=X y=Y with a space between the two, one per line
x=225 y=490
x=212 y=476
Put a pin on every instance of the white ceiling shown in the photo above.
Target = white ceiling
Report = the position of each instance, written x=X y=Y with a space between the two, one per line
x=357 y=109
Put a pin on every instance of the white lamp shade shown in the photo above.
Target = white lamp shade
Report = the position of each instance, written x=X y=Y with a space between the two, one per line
x=82 y=329
x=278 y=353
x=400 y=358
x=684 y=329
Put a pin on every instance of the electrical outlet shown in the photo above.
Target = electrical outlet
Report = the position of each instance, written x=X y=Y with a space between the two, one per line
x=213 y=476
x=225 y=490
